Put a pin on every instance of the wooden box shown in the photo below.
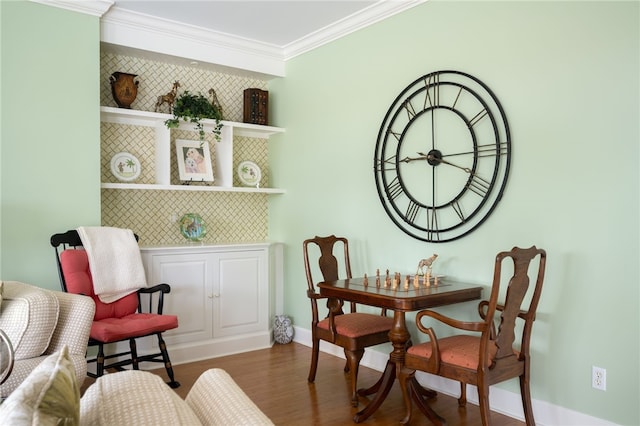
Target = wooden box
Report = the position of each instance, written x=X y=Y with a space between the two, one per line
x=256 y=103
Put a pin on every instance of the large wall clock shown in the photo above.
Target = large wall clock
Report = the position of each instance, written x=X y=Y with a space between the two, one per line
x=442 y=156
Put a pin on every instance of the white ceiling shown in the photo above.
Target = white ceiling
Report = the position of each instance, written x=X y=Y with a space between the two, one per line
x=256 y=36
x=278 y=23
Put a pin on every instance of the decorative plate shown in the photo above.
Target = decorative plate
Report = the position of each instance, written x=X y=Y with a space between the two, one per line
x=125 y=167
x=192 y=227
x=249 y=173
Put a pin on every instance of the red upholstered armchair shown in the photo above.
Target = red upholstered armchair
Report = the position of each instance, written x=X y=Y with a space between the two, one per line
x=118 y=321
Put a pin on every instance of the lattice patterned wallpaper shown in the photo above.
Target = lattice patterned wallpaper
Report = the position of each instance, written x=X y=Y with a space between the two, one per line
x=230 y=217
x=156 y=78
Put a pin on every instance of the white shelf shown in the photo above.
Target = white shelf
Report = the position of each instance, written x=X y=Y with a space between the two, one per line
x=224 y=150
x=201 y=188
x=151 y=119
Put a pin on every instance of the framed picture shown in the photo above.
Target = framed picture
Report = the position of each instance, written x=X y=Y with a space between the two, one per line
x=194 y=161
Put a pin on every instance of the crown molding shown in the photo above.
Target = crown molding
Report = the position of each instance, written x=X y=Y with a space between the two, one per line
x=134 y=30
x=379 y=11
x=143 y=34
x=89 y=7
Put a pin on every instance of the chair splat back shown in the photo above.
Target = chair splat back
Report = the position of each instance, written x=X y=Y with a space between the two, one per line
x=490 y=355
x=513 y=308
x=327 y=262
x=352 y=331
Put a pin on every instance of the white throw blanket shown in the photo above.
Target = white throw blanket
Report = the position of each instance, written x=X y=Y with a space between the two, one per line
x=114 y=260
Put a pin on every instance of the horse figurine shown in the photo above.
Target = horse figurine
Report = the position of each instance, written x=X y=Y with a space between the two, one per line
x=169 y=98
x=426 y=263
x=214 y=101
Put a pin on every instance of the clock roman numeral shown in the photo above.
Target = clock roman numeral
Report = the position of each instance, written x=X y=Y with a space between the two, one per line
x=487 y=150
x=396 y=135
x=394 y=189
x=412 y=211
x=455 y=205
x=388 y=164
x=432 y=96
x=432 y=222
x=411 y=111
x=479 y=116
x=491 y=150
x=478 y=185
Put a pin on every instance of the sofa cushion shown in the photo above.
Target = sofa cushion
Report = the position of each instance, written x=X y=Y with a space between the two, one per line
x=48 y=396
x=28 y=315
x=218 y=400
x=133 y=397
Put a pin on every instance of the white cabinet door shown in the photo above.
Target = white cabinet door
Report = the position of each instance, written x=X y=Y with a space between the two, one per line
x=241 y=292
x=191 y=293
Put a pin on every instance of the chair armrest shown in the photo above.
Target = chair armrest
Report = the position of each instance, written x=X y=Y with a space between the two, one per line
x=155 y=292
x=462 y=325
x=164 y=288
x=74 y=323
x=314 y=295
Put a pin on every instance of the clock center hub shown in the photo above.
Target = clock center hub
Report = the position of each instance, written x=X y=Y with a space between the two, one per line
x=433 y=157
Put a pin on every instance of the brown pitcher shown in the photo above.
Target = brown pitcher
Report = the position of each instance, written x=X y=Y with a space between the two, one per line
x=123 y=88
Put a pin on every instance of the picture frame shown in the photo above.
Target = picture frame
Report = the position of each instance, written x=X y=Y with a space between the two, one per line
x=194 y=161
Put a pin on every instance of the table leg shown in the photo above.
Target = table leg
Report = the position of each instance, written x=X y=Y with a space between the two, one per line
x=399 y=336
x=420 y=395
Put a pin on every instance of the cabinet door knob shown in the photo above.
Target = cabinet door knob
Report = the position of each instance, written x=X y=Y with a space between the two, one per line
x=210 y=296
x=216 y=295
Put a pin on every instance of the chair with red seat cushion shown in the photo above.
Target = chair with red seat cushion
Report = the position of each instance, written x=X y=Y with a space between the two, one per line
x=353 y=331
x=492 y=356
x=121 y=320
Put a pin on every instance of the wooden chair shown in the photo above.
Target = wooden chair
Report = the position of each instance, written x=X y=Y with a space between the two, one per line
x=122 y=320
x=491 y=357
x=352 y=331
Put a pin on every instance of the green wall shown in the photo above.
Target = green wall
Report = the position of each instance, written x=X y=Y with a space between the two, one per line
x=50 y=159
x=567 y=75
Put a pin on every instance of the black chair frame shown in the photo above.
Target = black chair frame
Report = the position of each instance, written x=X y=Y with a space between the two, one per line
x=154 y=294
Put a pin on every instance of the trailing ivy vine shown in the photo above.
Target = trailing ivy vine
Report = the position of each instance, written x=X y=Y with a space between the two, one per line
x=193 y=108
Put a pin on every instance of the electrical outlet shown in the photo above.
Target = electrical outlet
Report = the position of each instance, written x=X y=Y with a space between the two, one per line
x=599 y=378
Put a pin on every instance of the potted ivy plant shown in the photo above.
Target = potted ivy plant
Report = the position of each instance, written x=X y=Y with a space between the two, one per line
x=193 y=108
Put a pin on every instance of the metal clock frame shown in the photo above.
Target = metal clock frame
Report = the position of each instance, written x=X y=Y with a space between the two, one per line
x=468 y=105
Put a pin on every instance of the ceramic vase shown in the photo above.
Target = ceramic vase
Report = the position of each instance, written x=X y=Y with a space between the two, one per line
x=124 y=88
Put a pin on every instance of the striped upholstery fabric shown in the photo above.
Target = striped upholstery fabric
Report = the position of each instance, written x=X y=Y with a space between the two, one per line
x=74 y=318
x=29 y=316
x=133 y=397
x=218 y=400
x=48 y=396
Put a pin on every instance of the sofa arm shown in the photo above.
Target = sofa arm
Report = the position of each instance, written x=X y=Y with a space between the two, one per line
x=133 y=397
x=217 y=399
x=74 y=323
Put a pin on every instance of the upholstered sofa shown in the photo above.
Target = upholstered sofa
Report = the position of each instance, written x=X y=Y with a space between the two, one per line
x=40 y=322
x=50 y=396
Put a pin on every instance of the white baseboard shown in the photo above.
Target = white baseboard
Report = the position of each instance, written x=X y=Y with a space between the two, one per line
x=501 y=401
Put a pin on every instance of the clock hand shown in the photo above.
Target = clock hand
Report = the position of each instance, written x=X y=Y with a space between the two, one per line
x=440 y=160
x=410 y=159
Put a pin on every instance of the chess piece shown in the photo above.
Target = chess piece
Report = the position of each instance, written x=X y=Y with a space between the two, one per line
x=416 y=281
x=426 y=263
x=406 y=282
x=365 y=281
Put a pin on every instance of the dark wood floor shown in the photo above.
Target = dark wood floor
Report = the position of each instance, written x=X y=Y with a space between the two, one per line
x=276 y=380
